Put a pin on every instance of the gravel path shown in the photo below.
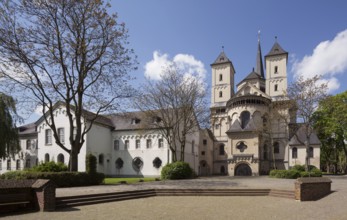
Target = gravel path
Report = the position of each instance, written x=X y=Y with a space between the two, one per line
x=332 y=206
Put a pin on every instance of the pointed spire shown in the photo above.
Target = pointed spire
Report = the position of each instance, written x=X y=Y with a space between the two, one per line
x=259 y=60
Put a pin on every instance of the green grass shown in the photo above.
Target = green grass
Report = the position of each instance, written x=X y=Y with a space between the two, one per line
x=111 y=181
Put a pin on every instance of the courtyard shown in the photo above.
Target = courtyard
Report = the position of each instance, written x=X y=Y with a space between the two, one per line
x=204 y=207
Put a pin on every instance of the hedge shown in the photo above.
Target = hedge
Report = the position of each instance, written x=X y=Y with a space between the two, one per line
x=295 y=173
x=61 y=179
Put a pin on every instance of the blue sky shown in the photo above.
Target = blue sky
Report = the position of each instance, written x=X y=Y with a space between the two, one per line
x=314 y=32
x=192 y=32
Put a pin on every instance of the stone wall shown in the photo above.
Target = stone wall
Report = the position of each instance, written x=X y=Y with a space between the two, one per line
x=312 y=188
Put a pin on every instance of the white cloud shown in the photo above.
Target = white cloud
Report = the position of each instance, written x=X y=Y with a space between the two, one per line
x=328 y=59
x=185 y=62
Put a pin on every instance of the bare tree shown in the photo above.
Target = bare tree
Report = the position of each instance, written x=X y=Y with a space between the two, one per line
x=307 y=93
x=65 y=50
x=176 y=104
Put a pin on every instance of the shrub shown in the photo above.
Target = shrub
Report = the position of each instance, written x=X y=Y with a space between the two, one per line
x=300 y=168
x=177 y=170
x=50 y=166
x=90 y=163
x=285 y=174
x=61 y=179
x=313 y=173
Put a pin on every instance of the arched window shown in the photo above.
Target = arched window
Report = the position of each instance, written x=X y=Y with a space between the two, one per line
x=47 y=157
x=60 y=158
x=220 y=94
x=245 y=116
x=220 y=77
x=294 y=153
x=28 y=144
x=276 y=69
x=17 y=164
x=119 y=163
x=157 y=162
x=310 y=152
x=137 y=164
x=101 y=159
x=276 y=148
x=221 y=149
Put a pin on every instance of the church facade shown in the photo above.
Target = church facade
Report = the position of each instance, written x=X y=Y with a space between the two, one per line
x=253 y=125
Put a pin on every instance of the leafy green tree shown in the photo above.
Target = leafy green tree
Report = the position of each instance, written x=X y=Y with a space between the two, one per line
x=9 y=142
x=330 y=121
x=65 y=51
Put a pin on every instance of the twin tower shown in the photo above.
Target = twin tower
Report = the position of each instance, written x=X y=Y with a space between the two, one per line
x=273 y=83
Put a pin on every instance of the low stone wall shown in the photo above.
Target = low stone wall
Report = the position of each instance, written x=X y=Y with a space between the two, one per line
x=27 y=195
x=312 y=188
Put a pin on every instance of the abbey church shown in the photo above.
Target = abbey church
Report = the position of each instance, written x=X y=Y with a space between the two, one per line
x=253 y=125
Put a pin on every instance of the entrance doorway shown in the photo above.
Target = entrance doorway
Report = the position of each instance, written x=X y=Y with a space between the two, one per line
x=243 y=170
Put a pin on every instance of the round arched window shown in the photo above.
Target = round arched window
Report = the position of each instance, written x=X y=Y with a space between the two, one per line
x=157 y=162
x=119 y=163
x=245 y=116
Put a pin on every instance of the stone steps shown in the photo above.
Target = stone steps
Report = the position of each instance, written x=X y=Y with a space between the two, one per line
x=282 y=193
x=70 y=201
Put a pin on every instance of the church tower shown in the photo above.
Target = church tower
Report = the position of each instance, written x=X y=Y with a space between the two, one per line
x=276 y=71
x=222 y=81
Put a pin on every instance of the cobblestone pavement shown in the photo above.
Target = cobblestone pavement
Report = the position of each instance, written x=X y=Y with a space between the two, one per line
x=332 y=206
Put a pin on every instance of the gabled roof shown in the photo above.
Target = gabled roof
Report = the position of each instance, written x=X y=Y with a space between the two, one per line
x=298 y=136
x=251 y=76
x=222 y=58
x=250 y=126
x=276 y=50
x=235 y=127
x=259 y=92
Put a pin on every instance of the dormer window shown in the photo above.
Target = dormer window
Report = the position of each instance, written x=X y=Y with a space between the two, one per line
x=135 y=121
x=156 y=119
x=221 y=59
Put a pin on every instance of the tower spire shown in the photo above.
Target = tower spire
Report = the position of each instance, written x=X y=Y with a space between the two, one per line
x=259 y=60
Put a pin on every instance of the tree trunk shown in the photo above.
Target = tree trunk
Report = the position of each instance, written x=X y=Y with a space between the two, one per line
x=73 y=161
x=182 y=152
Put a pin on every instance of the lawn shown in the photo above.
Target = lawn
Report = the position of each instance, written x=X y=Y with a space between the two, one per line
x=110 y=181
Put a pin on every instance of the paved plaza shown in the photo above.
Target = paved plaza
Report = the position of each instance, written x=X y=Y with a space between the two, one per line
x=332 y=206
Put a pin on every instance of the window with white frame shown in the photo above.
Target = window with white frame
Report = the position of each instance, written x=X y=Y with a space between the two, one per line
x=137 y=144
x=9 y=164
x=28 y=144
x=47 y=157
x=149 y=143
x=61 y=135
x=161 y=143
x=48 y=136
x=126 y=144
x=116 y=144
x=17 y=164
